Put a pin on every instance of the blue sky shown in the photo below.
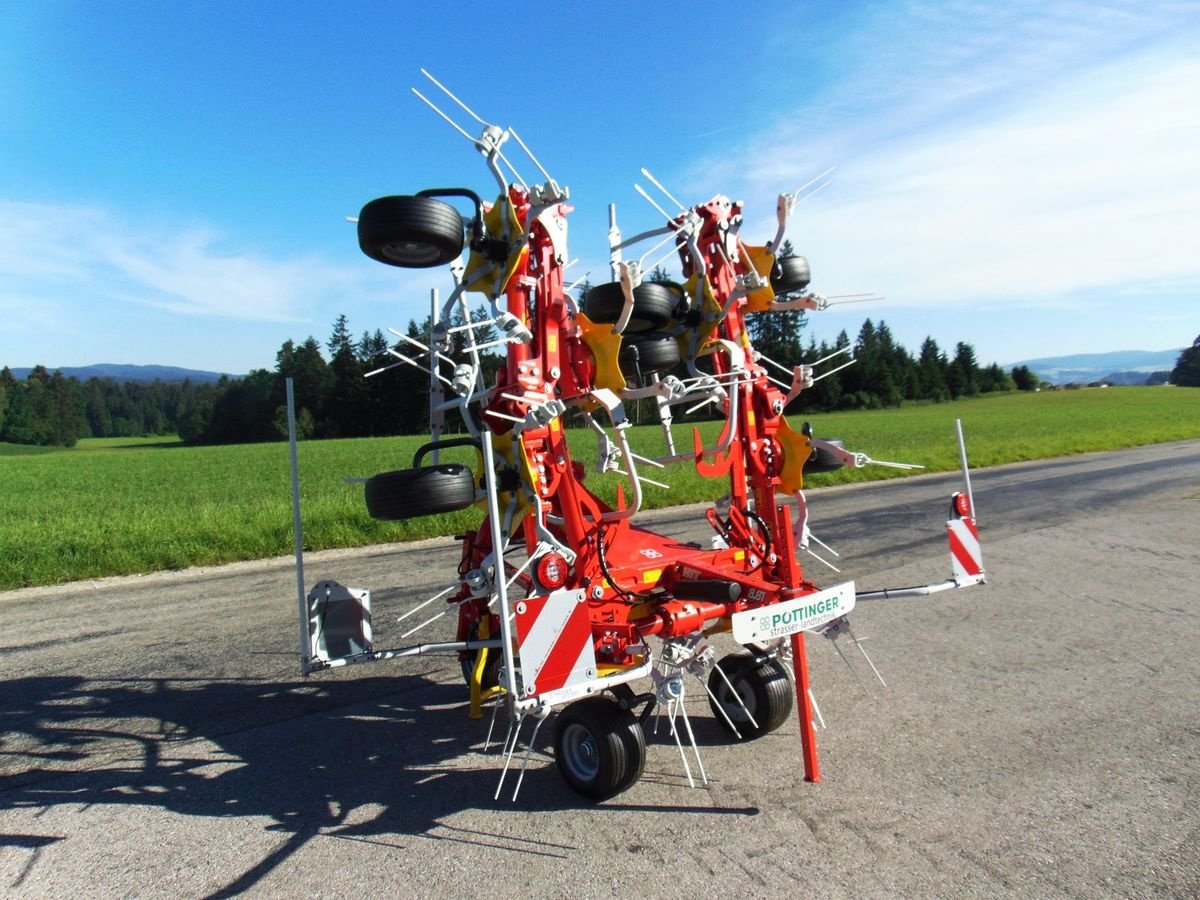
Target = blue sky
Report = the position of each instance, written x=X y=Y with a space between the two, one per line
x=175 y=177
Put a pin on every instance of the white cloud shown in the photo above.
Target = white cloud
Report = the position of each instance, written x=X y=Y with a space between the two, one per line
x=64 y=255
x=80 y=285
x=1093 y=186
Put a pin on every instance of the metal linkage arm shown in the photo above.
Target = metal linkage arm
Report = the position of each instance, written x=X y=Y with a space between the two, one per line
x=854 y=460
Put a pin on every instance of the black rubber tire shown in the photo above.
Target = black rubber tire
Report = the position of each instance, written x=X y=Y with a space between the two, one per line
x=491 y=668
x=410 y=232
x=822 y=461
x=790 y=274
x=648 y=353
x=599 y=747
x=764 y=688
x=653 y=305
x=408 y=493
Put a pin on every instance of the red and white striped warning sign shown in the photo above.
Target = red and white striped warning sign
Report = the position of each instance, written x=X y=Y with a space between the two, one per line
x=554 y=641
x=966 y=554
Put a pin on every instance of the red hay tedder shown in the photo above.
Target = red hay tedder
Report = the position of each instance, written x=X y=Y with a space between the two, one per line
x=563 y=602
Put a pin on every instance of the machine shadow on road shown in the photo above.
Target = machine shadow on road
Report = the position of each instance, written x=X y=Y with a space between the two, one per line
x=364 y=759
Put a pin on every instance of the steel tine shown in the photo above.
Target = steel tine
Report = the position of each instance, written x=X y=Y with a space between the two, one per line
x=863 y=651
x=529 y=153
x=423 y=347
x=672 y=708
x=813 y=192
x=820 y=559
x=813 y=700
x=512 y=168
x=718 y=707
x=687 y=723
x=662 y=259
x=853 y=671
x=514 y=732
x=701 y=404
x=833 y=371
x=445 y=90
x=736 y=696
x=528 y=750
x=823 y=544
x=863 y=300
x=412 y=362
x=420 y=607
x=487 y=742
x=651 y=201
x=383 y=369
x=811 y=181
x=449 y=121
x=671 y=238
x=654 y=181
x=825 y=359
x=430 y=621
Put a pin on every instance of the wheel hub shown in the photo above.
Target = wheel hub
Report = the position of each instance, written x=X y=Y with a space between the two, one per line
x=580 y=753
x=411 y=252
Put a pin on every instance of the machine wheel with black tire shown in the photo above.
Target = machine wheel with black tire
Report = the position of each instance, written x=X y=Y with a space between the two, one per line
x=648 y=353
x=822 y=461
x=761 y=698
x=653 y=305
x=409 y=493
x=599 y=747
x=491 y=668
x=410 y=232
x=790 y=274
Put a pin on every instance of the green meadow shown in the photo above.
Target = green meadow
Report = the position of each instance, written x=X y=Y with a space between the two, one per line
x=121 y=506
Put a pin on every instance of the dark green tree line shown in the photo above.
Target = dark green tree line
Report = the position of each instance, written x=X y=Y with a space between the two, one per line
x=360 y=389
x=51 y=409
x=885 y=374
x=1187 y=368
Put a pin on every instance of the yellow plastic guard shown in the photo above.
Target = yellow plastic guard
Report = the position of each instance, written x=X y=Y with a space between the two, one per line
x=478 y=694
x=796 y=451
x=760 y=300
x=503 y=445
x=711 y=306
x=477 y=263
x=605 y=347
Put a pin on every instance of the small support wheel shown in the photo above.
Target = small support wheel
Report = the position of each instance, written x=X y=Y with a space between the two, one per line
x=600 y=748
x=408 y=493
x=653 y=305
x=822 y=461
x=647 y=353
x=761 y=699
x=410 y=232
x=491 y=667
x=790 y=274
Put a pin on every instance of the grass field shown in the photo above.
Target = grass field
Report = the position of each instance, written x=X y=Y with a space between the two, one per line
x=119 y=506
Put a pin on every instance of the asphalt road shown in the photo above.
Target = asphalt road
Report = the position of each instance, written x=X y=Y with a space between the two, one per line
x=1039 y=735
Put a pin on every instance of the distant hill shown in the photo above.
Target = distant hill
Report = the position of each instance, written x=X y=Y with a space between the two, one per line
x=1119 y=367
x=166 y=374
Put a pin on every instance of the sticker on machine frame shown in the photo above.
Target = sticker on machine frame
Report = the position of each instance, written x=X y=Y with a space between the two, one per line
x=791 y=616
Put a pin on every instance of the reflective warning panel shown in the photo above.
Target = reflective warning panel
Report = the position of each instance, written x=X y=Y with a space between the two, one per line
x=966 y=553
x=554 y=641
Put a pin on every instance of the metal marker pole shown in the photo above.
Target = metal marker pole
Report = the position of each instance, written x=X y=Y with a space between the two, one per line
x=297 y=535
x=962 y=455
x=489 y=470
x=437 y=416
